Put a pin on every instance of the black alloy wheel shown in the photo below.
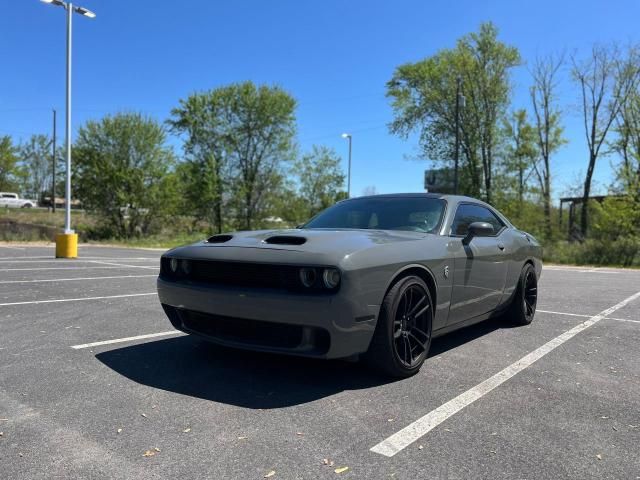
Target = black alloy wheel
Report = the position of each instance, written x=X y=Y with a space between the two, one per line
x=411 y=325
x=523 y=307
x=402 y=337
x=530 y=296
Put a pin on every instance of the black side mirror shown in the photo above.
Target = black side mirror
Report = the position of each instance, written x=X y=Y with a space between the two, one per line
x=478 y=229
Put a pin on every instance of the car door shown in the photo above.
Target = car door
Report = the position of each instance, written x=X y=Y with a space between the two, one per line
x=7 y=200
x=480 y=264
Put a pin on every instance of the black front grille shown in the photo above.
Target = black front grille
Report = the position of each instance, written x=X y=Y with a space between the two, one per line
x=241 y=274
x=235 y=273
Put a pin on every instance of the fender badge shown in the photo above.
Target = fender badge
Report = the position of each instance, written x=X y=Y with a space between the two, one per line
x=446 y=271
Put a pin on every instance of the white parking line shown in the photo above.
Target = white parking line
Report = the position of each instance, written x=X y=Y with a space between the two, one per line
x=564 y=313
x=81 y=299
x=4 y=282
x=405 y=437
x=65 y=268
x=26 y=257
x=585 y=316
x=127 y=339
x=623 y=320
x=581 y=270
x=12 y=248
x=124 y=265
x=74 y=260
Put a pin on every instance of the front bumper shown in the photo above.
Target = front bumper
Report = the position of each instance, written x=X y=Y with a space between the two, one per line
x=322 y=326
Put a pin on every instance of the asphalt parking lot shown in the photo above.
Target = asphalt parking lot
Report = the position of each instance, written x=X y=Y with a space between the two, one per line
x=94 y=383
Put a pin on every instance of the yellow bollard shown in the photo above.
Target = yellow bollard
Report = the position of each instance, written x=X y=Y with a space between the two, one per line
x=67 y=245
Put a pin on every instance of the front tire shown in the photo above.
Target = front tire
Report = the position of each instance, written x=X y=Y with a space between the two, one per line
x=402 y=338
x=523 y=306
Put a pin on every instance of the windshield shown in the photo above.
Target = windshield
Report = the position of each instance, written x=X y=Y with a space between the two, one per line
x=417 y=214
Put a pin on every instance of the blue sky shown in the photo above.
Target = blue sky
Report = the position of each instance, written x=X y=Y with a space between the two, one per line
x=333 y=56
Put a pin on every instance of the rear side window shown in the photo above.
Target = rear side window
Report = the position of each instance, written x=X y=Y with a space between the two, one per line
x=468 y=213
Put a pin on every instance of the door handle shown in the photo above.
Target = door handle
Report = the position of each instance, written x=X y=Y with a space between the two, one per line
x=501 y=246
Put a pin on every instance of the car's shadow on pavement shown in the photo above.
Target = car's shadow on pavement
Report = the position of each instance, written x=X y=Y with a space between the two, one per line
x=190 y=366
x=460 y=337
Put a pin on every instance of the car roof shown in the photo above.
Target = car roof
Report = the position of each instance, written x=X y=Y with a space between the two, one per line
x=445 y=196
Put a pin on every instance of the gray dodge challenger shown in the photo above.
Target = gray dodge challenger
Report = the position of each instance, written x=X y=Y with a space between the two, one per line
x=374 y=277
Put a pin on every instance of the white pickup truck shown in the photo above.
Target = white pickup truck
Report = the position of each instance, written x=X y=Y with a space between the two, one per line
x=13 y=200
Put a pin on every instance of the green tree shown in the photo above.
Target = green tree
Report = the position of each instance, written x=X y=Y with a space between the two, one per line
x=242 y=134
x=520 y=150
x=290 y=206
x=123 y=173
x=606 y=79
x=549 y=131
x=200 y=198
x=424 y=98
x=35 y=157
x=615 y=231
x=320 y=179
x=204 y=177
x=627 y=145
x=10 y=173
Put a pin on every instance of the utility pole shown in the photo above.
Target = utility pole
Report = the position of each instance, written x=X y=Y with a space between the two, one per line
x=53 y=153
x=457 y=149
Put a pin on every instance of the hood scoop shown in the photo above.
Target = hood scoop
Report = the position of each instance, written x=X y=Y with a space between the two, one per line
x=285 y=240
x=219 y=238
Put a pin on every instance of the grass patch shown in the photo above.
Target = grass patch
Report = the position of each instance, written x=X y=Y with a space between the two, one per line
x=622 y=252
x=154 y=241
x=80 y=220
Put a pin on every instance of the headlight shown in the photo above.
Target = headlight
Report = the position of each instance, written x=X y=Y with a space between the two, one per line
x=308 y=276
x=185 y=266
x=173 y=263
x=331 y=277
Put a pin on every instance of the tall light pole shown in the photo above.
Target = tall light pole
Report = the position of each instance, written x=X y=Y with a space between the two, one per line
x=348 y=137
x=67 y=244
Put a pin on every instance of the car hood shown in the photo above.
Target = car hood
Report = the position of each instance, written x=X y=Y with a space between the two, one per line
x=295 y=245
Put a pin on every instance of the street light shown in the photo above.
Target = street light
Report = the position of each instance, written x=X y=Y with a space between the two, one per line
x=348 y=136
x=67 y=244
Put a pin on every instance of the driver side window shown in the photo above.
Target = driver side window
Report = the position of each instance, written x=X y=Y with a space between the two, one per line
x=468 y=213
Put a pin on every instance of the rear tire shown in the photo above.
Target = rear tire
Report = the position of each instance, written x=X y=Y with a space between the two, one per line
x=523 y=305
x=402 y=338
